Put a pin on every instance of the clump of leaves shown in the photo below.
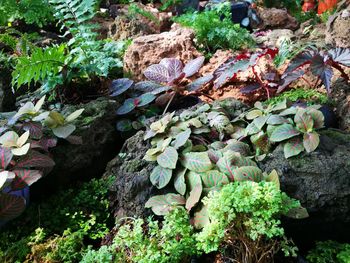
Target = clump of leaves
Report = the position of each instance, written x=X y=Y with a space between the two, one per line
x=238 y=223
x=142 y=241
x=215 y=30
x=25 y=157
x=166 y=80
x=329 y=252
x=295 y=126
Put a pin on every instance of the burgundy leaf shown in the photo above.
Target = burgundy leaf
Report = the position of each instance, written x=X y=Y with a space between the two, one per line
x=150 y=86
x=11 y=206
x=174 y=67
x=300 y=60
x=119 y=86
x=341 y=55
x=35 y=159
x=5 y=157
x=25 y=178
x=44 y=143
x=35 y=129
x=319 y=68
x=157 y=73
x=193 y=66
x=288 y=78
x=250 y=88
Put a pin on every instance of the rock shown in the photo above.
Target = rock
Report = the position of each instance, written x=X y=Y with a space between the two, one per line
x=219 y=57
x=148 y=50
x=274 y=38
x=273 y=18
x=341 y=97
x=321 y=181
x=132 y=188
x=338 y=29
x=100 y=139
x=7 y=98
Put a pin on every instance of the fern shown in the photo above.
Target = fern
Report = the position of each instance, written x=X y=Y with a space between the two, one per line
x=42 y=64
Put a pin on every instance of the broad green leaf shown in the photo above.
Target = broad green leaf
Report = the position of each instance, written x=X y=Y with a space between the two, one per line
x=163 y=204
x=280 y=106
x=251 y=129
x=194 y=197
x=303 y=121
x=145 y=99
x=261 y=141
x=283 y=132
x=168 y=158
x=213 y=178
x=179 y=181
x=127 y=107
x=289 y=111
x=182 y=138
x=259 y=122
x=197 y=161
x=214 y=155
x=192 y=179
x=273 y=178
x=11 y=206
x=251 y=115
x=293 y=147
x=74 y=115
x=276 y=120
x=311 y=140
x=64 y=131
x=160 y=176
x=248 y=173
x=124 y=125
x=217 y=145
x=317 y=117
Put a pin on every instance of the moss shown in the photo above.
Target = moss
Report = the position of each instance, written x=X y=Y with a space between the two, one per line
x=339 y=136
x=134 y=165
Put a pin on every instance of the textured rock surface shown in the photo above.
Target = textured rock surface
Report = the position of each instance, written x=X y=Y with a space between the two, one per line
x=147 y=50
x=100 y=144
x=341 y=96
x=273 y=18
x=7 y=98
x=338 y=29
x=275 y=37
x=132 y=187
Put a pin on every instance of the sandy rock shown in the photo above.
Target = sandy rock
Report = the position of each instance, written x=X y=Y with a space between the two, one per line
x=215 y=61
x=148 y=50
x=338 y=29
x=273 y=18
x=274 y=38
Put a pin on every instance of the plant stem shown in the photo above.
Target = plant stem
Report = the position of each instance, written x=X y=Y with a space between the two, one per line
x=167 y=106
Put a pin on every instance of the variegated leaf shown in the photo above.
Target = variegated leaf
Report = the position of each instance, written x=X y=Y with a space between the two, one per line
x=163 y=204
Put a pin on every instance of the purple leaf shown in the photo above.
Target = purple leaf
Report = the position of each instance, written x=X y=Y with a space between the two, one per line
x=193 y=66
x=174 y=67
x=250 y=88
x=119 y=86
x=11 y=206
x=35 y=129
x=288 y=78
x=198 y=83
x=127 y=107
x=341 y=55
x=157 y=73
x=5 y=157
x=35 y=159
x=319 y=68
x=300 y=60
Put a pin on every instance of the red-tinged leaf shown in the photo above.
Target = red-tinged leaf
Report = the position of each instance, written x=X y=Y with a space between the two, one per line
x=201 y=218
x=341 y=55
x=179 y=181
x=317 y=117
x=230 y=72
x=250 y=88
x=157 y=73
x=119 y=86
x=35 y=129
x=198 y=83
x=74 y=139
x=35 y=160
x=44 y=143
x=174 y=67
x=194 y=197
x=168 y=159
x=283 y=132
x=293 y=147
x=25 y=178
x=163 y=204
x=311 y=141
x=288 y=78
x=11 y=206
x=5 y=157
x=193 y=66
x=248 y=173
x=214 y=155
x=213 y=178
x=319 y=68
x=127 y=107
x=239 y=147
x=160 y=177
x=300 y=60
x=197 y=161
x=303 y=120
x=145 y=99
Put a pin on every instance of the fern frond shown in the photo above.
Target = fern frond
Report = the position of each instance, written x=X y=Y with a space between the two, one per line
x=41 y=64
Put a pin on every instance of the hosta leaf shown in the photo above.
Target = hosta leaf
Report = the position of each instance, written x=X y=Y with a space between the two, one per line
x=194 y=197
x=145 y=99
x=124 y=125
x=119 y=86
x=174 y=67
x=293 y=147
x=168 y=158
x=182 y=138
x=317 y=117
x=163 y=204
x=303 y=121
x=319 y=68
x=248 y=173
x=197 y=161
x=198 y=83
x=213 y=178
x=160 y=176
x=276 y=120
x=64 y=131
x=311 y=140
x=127 y=107
x=341 y=55
x=251 y=115
x=193 y=66
x=283 y=132
x=24 y=178
x=35 y=159
x=157 y=73
x=201 y=218
x=11 y=206
x=5 y=157
x=179 y=181
x=273 y=178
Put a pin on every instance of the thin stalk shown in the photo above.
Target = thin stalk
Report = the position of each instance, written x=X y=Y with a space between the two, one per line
x=167 y=106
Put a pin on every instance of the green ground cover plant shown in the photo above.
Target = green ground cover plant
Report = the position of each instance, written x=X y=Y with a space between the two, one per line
x=329 y=252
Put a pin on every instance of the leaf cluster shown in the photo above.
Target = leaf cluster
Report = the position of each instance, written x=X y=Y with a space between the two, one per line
x=295 y=126
x=329 y=252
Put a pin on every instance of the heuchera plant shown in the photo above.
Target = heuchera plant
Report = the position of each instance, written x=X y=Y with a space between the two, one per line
x=24 y=158
x=165 y=81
